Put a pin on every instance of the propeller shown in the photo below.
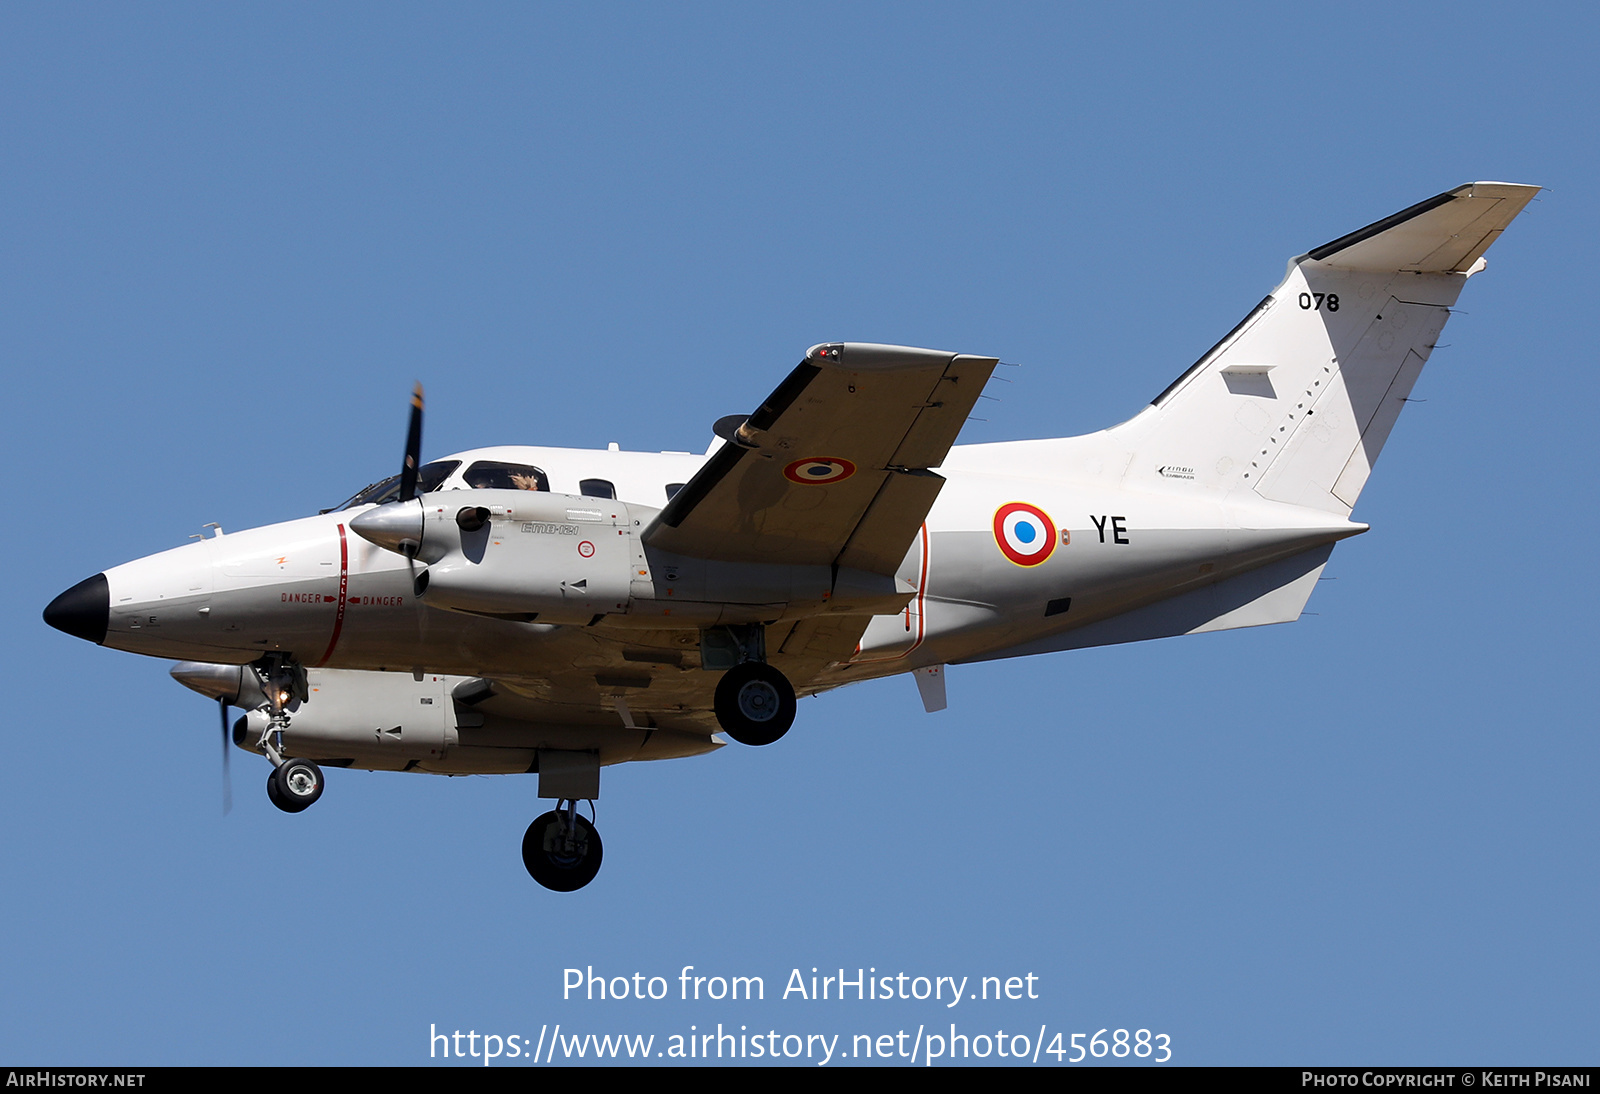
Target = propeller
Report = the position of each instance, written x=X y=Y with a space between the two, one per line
x=395 y=526
x=408 y=472
x=225 y=684
x=227 y=774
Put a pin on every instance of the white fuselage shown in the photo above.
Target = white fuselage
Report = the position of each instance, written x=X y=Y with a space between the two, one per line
x=312 y=588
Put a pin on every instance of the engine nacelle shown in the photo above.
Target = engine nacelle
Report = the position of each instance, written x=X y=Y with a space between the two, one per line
x=390 y=721
x=526 y=554
x=378 y=720
x=569 y=559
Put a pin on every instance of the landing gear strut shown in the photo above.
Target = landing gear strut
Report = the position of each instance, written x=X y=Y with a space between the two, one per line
x=754 y=703
x=294 y=784
x=561 y=849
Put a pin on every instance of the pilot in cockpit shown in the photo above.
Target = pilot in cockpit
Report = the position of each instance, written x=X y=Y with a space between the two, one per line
x=494 y=475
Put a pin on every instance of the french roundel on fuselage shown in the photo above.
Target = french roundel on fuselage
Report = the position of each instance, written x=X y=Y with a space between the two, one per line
x=1024 y=533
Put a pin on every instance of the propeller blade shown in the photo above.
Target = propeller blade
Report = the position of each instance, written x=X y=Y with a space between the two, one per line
x=227 y=775
x=408 y=473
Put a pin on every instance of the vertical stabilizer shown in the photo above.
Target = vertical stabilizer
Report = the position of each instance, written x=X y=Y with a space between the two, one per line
x=1297 y=401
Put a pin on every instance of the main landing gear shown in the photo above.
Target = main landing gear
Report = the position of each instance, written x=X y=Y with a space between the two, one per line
x=561 y=849
x=754 y=703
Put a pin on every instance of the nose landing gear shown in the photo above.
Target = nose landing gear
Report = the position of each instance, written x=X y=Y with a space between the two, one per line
x=561 y=849
x=294 y=784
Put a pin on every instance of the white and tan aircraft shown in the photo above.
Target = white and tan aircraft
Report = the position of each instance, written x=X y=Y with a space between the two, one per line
x=546 y=610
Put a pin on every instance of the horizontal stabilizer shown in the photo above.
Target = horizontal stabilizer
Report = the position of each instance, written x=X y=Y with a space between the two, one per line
x=1445 y=234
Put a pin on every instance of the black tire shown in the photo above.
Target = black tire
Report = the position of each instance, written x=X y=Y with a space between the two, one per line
x=274 y=797
x=560 y=869
x=298 y=784
x=754 y=703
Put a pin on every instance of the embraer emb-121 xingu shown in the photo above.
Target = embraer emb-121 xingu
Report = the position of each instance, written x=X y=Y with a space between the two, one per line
x=554 y=611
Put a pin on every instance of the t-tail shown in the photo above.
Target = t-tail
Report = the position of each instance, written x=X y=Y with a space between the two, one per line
x=1295 y=403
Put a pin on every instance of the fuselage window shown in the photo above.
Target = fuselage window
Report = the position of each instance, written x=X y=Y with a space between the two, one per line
x=596 y=488
x=490 y=475
x=673 y=488
x=429 y=476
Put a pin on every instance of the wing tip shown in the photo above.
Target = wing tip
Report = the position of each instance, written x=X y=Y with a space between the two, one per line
x=876 y=356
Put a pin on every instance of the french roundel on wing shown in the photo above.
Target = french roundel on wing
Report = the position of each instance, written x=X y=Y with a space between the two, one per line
x=1025 y=533
x=819 y=470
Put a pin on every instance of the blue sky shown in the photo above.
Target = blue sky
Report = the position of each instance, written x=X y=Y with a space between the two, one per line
x=233 y=237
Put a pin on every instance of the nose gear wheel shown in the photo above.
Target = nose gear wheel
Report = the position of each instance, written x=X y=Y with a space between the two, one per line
x=295 y=785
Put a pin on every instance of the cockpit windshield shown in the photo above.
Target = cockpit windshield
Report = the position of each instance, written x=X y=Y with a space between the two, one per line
x=429 y=476
x=491 y=475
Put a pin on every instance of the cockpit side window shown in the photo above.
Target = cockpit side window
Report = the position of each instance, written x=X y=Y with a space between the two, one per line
x=432 y=475
x=597 y=488
x=429 y=476
x=491 y=475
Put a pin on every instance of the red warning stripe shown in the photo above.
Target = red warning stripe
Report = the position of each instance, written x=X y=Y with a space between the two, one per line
x=344 y=588
x=922 y=613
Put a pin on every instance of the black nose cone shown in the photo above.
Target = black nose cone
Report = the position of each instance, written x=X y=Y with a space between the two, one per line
x=83 y=611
